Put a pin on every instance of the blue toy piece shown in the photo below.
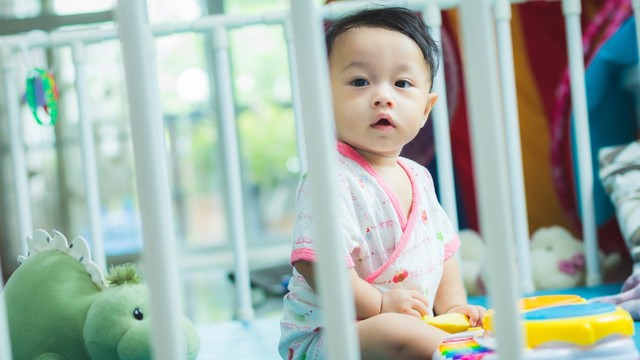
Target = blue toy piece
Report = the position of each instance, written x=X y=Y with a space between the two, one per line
x=558 y=327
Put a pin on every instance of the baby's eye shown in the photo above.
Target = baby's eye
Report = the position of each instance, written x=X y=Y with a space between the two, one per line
x=359 y=82
x=402 y=84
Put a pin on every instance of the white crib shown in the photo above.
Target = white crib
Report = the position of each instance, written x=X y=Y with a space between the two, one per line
x=496 y=149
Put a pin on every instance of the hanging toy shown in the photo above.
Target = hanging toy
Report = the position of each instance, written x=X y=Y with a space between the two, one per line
x=42 y=96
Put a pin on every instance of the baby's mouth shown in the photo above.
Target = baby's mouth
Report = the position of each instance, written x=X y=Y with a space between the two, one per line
x=383 y=123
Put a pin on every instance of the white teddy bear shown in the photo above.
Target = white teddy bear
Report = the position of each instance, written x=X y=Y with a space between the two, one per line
x=557 y=259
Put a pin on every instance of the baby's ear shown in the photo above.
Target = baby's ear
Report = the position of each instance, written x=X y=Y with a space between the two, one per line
x=431 y=101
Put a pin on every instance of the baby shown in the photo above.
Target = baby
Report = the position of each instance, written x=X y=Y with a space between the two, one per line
x=397 y=241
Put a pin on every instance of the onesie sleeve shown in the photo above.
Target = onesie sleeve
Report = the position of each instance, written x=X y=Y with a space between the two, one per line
x=304 y=244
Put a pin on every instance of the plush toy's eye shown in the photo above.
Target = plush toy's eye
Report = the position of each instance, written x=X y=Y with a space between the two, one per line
x=137 y=313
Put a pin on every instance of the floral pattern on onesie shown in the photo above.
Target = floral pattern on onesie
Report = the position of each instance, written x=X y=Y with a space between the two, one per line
x=385 y=247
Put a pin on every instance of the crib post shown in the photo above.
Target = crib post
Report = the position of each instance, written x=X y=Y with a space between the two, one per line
x=154 y=192
x=295 y=95
x=17 y=150
x=502 y=14
x=5 y=341
x=233 y=175
x=336 y=296
x=490 y=169
x=87 y=147
x=636 y=13
x=442 y=136
x=571 y=10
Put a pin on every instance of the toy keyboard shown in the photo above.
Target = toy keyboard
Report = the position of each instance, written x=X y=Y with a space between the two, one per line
x=557 y=327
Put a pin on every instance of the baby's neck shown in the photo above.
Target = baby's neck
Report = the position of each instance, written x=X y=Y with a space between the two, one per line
x=379 y=161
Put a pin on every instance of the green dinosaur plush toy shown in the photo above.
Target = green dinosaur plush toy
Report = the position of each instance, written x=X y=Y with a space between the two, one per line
x=60 y=306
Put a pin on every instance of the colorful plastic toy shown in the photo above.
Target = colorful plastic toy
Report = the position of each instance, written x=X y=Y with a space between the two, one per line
x=451 y=323
x=558 y=327
x=41 y=95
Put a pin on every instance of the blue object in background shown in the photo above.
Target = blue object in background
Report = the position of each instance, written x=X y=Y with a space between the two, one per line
x=121 y=231
x=612 y=109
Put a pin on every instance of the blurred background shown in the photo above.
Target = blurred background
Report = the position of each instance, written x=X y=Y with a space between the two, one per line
x=269 y=159
x=266 y=134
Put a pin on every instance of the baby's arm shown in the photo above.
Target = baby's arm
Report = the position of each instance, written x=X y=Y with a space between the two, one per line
x=369 y=301
x=451 y=297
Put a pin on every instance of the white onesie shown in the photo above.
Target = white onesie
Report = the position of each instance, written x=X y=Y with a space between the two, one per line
x=386 y=248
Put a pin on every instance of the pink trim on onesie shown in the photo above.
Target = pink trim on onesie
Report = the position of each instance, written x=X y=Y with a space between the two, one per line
x=407 y=225
x=451 y=247
x=406 y=232
x=306 y=254
x=351 y=153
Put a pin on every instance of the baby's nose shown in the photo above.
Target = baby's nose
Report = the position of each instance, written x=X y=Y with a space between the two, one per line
x=383 y=99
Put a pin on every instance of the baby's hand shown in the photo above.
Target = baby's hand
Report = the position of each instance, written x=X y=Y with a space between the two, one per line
x=410 y=302
x=474 y=312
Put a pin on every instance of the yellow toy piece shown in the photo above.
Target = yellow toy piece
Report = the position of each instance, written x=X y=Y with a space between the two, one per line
x=535 y=302
x=556 y=327
x=579 y=323
x=451 y=323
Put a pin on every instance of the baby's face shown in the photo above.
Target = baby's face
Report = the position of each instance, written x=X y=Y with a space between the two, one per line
x=380 y=83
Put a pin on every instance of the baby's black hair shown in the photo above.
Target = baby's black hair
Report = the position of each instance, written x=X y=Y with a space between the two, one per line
x=397 y=19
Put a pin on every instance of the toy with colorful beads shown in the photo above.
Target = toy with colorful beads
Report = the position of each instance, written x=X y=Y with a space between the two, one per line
x=41 y=95
x=558 y=327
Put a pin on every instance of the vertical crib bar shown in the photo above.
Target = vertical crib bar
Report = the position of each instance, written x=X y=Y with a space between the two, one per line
x=446 y=179
x=571 y=10
x=233 y=175
x=5 y=341
x=490 y=168
x=295 y=95
x=636 y=13
x=502 y=14
x=152 y=178
x=87 y=147
x=336 y=296
x=17 y=151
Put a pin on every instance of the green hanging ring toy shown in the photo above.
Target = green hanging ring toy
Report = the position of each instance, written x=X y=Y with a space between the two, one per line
x=42 y=95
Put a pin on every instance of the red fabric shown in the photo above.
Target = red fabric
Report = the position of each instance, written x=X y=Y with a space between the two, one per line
x=543 y=25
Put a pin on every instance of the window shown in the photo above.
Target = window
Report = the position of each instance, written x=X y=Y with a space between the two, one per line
x=66 y=7
x=266 y=137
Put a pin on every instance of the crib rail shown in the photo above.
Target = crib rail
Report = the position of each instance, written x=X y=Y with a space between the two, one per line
x=499 y=105
x=152 y=179
x=5 y=343
x=492 y=177
x=333 y=285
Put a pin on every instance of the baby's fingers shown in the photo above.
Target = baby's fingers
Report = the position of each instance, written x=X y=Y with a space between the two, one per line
x=420 y=297
x=416 y=313
x=421 y=303
x=421 y=307
x=476 y=313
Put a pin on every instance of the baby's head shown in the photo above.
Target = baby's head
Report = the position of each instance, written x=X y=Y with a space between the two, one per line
x=397 y=19
x=381 y=63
